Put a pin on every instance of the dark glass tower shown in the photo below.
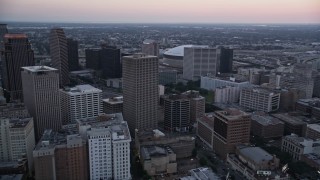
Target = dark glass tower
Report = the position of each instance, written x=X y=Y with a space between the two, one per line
x=226 y=58
x=17 y=53
x=73 y=56
x=110 y=62
x=59 y=54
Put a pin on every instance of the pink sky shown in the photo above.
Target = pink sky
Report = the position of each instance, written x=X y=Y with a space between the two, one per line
x=162 y=11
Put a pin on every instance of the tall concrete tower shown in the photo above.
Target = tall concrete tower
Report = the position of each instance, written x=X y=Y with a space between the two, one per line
x=41 y=96
x=16 y=54
x=140 y=91
x=59 y=54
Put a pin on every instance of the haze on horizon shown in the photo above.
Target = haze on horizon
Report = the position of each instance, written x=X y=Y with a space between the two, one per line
x=164 y=11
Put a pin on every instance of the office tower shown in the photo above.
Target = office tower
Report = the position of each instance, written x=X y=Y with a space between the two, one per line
x=226 y=94
x=17 y=53
x=150 y=47
x=17 y=139
x=259 y=99
x=59 y=54
x=61 y=155
x=231 y=128
x=41 y=96
x=140 y=91
x=225 y=60
x=73 y=55
x=177 y=113
x=106 y=60
x=168 y=76
x=110 y=62
x=13 y=110
x=109 y=146
x=197 y=105
x=3 y=31
x=113 y=105
x=82 y=101
x=199 y=61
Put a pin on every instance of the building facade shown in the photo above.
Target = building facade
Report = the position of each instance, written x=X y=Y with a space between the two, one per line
x=225 y=60
x=113 y=105
x=266 y=127
x=73 y=55
x=59 y=54
x=198 y=61
x=81 y=101
x=17 y=53
x=41 y=97
x=140 y=91
x=150 y=47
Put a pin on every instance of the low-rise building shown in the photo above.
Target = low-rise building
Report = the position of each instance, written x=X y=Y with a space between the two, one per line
x=313 y=131
x=266 y=126
x=158 y=160
x=201 y=173
x=297 y=146
x=310 y=106
x=181 y=144
x=113 y=105
x=293 y=122
x=226 y=94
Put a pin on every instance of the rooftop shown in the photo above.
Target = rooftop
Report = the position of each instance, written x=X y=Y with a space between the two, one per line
x=179 y=50
x=315 y=127
x=204 y=173
x=256 y=154
x=208 y=119
x=292 y=118
x=15 y=36
x=86 y=88
x=232 y=113
x=265 y=119
x=155 y=151
x=39 y=68
x=114 y=100
x=149 y=41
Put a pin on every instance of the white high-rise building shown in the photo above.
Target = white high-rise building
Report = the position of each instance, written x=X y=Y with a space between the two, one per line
x=17 y=139
x=199 y=61
x=109 y=146
x=82 y=101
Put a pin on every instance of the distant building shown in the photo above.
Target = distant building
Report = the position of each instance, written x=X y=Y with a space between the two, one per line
x=140 y=91
x=288 y=99
x=197 y=105
x=41 y=96
x=259 y=99
x=266 y=126
x=93 y=59
x=73 y=55
x=81 y=101
x=150 y=47
x=297 y=146
x=114 y=83
x=231 y=128
x=181 y=144
x=225 y=60
x=3 y=31
x=109 y=146
x=61 y=155
x=226 y=94
x=17 y=139
x=17 y=53
x=205 y=129
x=113 y=105
x=167 y=76
x=158 y=160
x=199 y=61
x=59 y=54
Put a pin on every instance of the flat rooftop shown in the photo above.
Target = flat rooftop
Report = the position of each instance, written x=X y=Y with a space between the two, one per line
x=256 y=154
x=155 y=151
x=204 y=173
x=86 y=88
x=39 y=68
x=114 y=100
x=265 y=119
x=15 y=36
x=231 y=113
x=293 y=119
x=315 y=127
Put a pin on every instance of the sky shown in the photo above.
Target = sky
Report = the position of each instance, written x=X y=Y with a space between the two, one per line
x=161 y=11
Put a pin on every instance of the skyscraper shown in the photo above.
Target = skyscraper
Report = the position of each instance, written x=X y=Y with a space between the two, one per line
x=59 y=54
x=225 y=60
x=93 y=59
x=110 y=62
x=150 y=47
x=41 y=96
x=199 y=61
x=140 y=91
x=17 y=53
x=3 y=31
x=73 y=55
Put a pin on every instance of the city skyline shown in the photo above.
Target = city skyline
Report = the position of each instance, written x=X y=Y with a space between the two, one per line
x=178 y=11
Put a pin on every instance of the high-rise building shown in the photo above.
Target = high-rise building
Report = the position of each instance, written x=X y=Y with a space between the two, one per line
x=59 y=54
x=17 y=139
x=109 y=146
x=110 y=62
x=140 y=91
x=259 y=99
x=150 y=47
x=3 y=31
x=93 y=59
x=61 y=155
x=41 y=96
x=177 y=113
x=81 y=101
x=199 y=61
x=197 y=105
x=231 y=128
x=16 y=54
x=225 y=60
x=73 y=55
